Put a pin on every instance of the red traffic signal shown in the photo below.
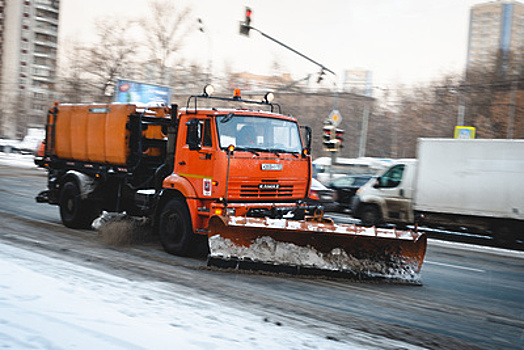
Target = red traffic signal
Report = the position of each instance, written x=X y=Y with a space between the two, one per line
x=246 y=25
x=339 y=133
x=329 y=136
x=329 y=132
x=248 y=16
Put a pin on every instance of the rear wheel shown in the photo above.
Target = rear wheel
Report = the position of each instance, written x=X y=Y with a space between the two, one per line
x=370 y=215
x=75 y=212
x=505 y=233
x=175 y=231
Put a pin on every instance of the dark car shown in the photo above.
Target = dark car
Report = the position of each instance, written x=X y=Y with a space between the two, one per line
x=321 y=195
x=346 y=187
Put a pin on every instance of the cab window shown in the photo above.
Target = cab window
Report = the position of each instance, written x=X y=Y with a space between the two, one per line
x=204 y=133
x=392 y=177
x=206 y=138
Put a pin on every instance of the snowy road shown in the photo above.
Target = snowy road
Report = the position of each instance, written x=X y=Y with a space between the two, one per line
x=62 y=288
x=51 y=304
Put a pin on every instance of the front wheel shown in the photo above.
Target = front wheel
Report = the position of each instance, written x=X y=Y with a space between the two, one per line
x=75 y=212
x=175 y=231
x=370 y=215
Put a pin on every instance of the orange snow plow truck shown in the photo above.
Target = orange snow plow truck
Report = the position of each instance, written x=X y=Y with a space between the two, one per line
x=234 y=179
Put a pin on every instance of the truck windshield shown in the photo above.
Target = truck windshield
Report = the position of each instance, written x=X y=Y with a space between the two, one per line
x=258 y=133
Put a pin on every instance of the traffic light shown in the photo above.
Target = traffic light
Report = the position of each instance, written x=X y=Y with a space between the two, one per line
x=329 y=140
x=246 y=25
x=338 y=137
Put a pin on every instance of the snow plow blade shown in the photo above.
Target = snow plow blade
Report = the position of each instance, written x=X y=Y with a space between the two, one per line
x=316 y=247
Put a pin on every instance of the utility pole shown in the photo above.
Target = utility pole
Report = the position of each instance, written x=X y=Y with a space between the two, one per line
x=511 y=109
x=461 y=106
x=364 y=132
x=461 y=110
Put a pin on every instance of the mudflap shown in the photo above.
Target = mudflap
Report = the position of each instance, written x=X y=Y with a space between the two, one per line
x=316 y=247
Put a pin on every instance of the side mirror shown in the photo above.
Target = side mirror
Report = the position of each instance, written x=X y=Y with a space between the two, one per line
x=377 y=183
x=307 y=139
x=194 y=134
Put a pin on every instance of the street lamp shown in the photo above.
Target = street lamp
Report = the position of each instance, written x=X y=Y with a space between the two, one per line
x=203 y=29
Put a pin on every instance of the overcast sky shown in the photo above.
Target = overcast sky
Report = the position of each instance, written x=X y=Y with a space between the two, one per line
x=400 y=41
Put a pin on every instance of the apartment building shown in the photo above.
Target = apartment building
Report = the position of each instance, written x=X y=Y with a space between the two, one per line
x=28 y=51
x=494 y=27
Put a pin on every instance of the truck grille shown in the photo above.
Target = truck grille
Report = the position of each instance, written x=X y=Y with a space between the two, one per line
x=264 y=189
x=253 y=191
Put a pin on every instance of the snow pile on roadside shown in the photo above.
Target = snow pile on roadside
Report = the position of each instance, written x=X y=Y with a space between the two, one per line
x=17 y=160
x=48 y=303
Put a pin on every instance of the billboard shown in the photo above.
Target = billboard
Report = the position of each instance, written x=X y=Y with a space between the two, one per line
x=129 y=91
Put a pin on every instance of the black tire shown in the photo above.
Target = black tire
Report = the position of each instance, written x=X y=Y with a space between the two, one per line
x=505 y=234
x=370 y=215
x=74 y=211
x=174 y=229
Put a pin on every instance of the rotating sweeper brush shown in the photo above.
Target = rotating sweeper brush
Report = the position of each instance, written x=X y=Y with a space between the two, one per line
x=316 y=246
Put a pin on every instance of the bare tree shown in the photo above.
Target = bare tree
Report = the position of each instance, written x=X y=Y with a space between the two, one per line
x=105 y=60
x=166 y=29
x=72 y=85
x=89 y=71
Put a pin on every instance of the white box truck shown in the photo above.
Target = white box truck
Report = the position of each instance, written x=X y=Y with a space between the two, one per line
x=476 y=184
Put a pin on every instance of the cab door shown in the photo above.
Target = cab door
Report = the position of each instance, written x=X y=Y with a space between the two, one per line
x=395 y=187
x=195 y=159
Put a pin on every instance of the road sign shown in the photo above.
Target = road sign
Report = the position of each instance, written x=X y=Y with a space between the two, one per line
x=464 y=132
x=335 y=117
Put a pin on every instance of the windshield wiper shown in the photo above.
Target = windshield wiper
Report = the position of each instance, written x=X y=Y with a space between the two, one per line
x=271 y=150
x=277 y=151
x=227 y=118
x=250 y=149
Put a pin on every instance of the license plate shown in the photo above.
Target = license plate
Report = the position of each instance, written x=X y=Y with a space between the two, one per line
x=274 y=167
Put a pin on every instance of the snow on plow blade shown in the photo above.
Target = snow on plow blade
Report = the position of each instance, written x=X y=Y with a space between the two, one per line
x=316 y=247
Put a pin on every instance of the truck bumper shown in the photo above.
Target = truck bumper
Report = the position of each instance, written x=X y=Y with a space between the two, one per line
x=270 y=210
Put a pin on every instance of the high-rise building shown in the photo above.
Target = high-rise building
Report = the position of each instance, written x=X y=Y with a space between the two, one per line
x=495 y=27
x=28 y=51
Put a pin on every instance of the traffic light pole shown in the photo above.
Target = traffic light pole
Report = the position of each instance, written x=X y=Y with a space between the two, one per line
x=322 y=67
x=245 y=27
x=333 y=162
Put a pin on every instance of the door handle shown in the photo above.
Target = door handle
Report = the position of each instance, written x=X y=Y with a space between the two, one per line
x=206 y=156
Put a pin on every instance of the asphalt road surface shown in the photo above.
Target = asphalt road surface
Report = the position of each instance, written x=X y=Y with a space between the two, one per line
x=471 y=297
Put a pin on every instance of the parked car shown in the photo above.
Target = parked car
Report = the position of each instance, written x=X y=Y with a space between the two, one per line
x=320 y=194
x=345 y=188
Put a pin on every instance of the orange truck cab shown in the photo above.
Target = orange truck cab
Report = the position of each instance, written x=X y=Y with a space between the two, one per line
x=180 y=167
x=242 y=162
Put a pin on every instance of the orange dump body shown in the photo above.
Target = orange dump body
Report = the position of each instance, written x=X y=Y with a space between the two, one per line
x=97 y=133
